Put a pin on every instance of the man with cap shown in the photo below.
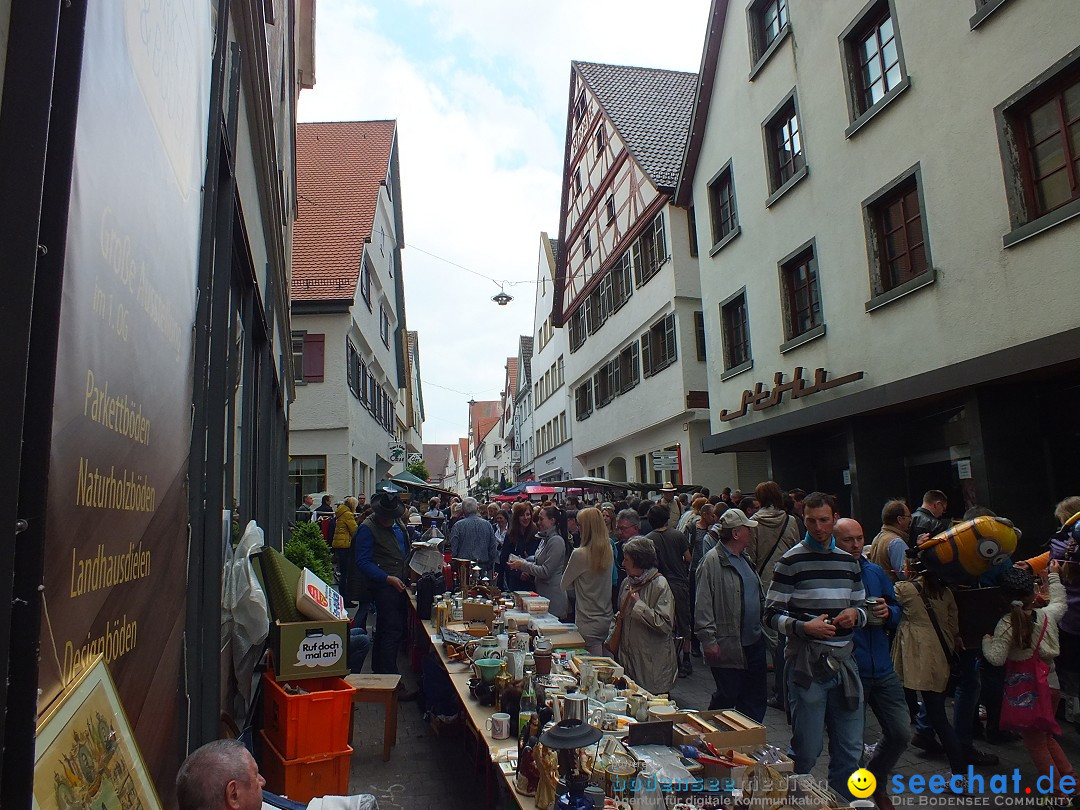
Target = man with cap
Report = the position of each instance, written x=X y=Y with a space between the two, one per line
x=729 y=609
x=381 y=549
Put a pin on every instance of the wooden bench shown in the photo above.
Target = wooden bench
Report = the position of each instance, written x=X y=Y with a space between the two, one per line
x=378 y=689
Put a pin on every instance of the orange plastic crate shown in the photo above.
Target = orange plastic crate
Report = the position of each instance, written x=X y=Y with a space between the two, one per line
x=305 y=778
x=306 y=725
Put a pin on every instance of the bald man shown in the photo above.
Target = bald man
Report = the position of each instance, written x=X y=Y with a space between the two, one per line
x=882 y=690
x=221 y=775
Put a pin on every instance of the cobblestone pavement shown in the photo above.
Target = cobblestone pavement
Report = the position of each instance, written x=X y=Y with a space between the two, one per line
x=429 y=771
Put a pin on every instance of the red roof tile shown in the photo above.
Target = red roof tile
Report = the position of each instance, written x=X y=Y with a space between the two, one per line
x=512 y=374
x=339 y=168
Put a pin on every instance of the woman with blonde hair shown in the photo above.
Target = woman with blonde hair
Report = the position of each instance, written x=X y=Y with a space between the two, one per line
x=344 y=529
x=588 y=574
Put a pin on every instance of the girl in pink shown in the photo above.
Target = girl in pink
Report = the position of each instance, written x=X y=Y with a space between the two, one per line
x=1015 y=638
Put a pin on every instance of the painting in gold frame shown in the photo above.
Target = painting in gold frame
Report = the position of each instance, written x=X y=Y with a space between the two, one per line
x=86 y=754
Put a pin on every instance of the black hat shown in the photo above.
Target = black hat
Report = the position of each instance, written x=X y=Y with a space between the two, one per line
x=1017 y=582
x=387 y=505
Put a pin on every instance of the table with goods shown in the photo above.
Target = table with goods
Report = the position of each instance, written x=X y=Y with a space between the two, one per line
x=559 y=728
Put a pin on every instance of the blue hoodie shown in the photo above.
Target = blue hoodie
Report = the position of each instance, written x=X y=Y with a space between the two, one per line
x=871 y=641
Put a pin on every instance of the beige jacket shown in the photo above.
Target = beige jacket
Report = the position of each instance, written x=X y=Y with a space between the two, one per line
x=918 y=659
x=646 y=646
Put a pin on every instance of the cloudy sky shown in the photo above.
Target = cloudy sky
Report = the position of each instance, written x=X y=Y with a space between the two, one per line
x=479 y=89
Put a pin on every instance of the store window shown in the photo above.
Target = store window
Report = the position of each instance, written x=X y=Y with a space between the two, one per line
x=307 y=476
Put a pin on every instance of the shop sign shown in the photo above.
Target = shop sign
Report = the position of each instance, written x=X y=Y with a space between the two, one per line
x=115 y=579
x=396 y=452
x=762 y=398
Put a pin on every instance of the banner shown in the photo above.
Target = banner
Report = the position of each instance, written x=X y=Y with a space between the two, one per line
x=116 y=537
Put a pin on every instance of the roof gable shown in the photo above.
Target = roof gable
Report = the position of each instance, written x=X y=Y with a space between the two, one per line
x=340 y=167
x=650 y=109
x=525 y=353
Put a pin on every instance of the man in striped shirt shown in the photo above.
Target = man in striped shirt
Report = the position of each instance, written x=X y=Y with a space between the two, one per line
x=816 y=599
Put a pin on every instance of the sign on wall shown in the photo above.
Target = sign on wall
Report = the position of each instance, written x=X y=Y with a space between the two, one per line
x=396 y=451
x=116 y=537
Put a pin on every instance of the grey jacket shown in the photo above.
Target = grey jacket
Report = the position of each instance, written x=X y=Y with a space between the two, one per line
x=546 y=569
x=718 y=612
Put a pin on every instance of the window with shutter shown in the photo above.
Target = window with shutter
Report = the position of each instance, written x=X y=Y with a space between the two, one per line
x=314 y=357
x=646 y=354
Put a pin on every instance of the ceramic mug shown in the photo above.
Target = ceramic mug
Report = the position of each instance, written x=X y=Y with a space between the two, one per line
x=499 y=725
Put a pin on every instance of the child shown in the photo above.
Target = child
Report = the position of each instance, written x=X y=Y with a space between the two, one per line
x=1014 y=639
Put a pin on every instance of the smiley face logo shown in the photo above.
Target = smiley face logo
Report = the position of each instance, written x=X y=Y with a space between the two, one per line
x=861 y=783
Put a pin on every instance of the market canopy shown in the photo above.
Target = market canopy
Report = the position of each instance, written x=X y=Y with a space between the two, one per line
x=516 y=489
x=409 y=480
x=386 y=485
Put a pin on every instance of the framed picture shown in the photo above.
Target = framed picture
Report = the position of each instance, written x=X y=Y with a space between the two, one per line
x=86 y=754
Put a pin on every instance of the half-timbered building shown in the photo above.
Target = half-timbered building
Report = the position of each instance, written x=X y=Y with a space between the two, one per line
x=626 y=283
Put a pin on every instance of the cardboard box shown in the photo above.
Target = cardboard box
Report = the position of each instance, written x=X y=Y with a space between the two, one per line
x=309 y=649
x=478 y=612
x=729 y=734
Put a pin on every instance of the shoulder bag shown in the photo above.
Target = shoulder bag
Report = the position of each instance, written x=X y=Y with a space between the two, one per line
x=951 y=658
x=615 y=638
x=1026 y=703
x=765 y=560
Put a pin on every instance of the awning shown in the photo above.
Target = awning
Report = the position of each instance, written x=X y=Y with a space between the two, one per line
x=535 y=489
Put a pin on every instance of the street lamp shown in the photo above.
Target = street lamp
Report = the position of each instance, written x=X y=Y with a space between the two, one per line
x=502 y=297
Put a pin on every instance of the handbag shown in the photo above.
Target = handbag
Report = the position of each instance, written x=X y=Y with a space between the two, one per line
x=615 y=636
x=1026 y=702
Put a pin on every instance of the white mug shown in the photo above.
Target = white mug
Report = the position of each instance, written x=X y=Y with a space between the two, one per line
x=499 y=725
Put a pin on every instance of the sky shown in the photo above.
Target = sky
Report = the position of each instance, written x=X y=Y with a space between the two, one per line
x=479 y=89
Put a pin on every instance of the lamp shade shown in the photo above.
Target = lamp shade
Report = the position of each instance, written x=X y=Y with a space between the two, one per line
x=569 y=734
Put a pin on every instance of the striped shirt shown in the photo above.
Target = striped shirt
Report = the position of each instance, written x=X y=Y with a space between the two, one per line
x=811 y=579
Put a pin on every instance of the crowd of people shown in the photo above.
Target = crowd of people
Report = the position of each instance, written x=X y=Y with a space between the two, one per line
x=774 y=581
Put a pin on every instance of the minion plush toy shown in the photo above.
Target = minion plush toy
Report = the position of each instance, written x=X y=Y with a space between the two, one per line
x=968 y=550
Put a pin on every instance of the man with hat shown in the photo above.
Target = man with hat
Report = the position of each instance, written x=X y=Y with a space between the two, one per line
x=668 y=499
x=729 y=610
x=381 y=548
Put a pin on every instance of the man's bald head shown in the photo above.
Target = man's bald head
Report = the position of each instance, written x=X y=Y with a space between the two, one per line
x=849 y=536
x=220 y=775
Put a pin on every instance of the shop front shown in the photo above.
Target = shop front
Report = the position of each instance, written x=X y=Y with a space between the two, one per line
x=996 y=431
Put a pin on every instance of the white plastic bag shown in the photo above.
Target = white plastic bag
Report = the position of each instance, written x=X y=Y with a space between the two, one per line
x=244 y=609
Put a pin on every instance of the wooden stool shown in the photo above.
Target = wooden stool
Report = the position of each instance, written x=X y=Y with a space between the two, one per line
x=378 y=689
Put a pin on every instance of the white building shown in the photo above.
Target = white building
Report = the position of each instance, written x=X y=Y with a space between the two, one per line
x=550 y=449
x=357 y=371
x=523 y=452
x=886 y=197
x=626 y=284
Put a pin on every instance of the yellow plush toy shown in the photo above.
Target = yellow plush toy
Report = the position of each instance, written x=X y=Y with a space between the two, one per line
x=968 y=550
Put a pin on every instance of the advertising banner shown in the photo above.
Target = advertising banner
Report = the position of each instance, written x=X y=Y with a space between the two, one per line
x=116 y=543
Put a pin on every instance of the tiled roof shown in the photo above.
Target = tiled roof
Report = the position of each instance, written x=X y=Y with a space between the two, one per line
x=486 y=426
x=463 y=453
x=526 y=354
x=339 y=168
x=651 y=110
x=482 y=410
x=512 y=373
x=435 y=458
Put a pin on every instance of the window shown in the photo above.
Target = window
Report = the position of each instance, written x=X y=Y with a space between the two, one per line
x=579 y=108
x=562 y=426
x=768 y=23
x=365 y=284
x=784 y=145
x=629 y=368
x=610 y=204
x=606 y=383
x=735 y=326
x=298 y=356
x=874 y=62
x=896 y=235
x=621 y=286
x=802 y=293
x=559 y=372
x=586 y=244
x=312 y=353
x=725 y=218
x=307 y=475
x=649 y=251
x=699 y=334
x=577 y=328
x=658 y=350
x=1039 y=135
x=1051 y=148
x=384 y=325
x=583 y=400
x=352 y=368
x=600 y=140
x=577 y=182
x=691 y=226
